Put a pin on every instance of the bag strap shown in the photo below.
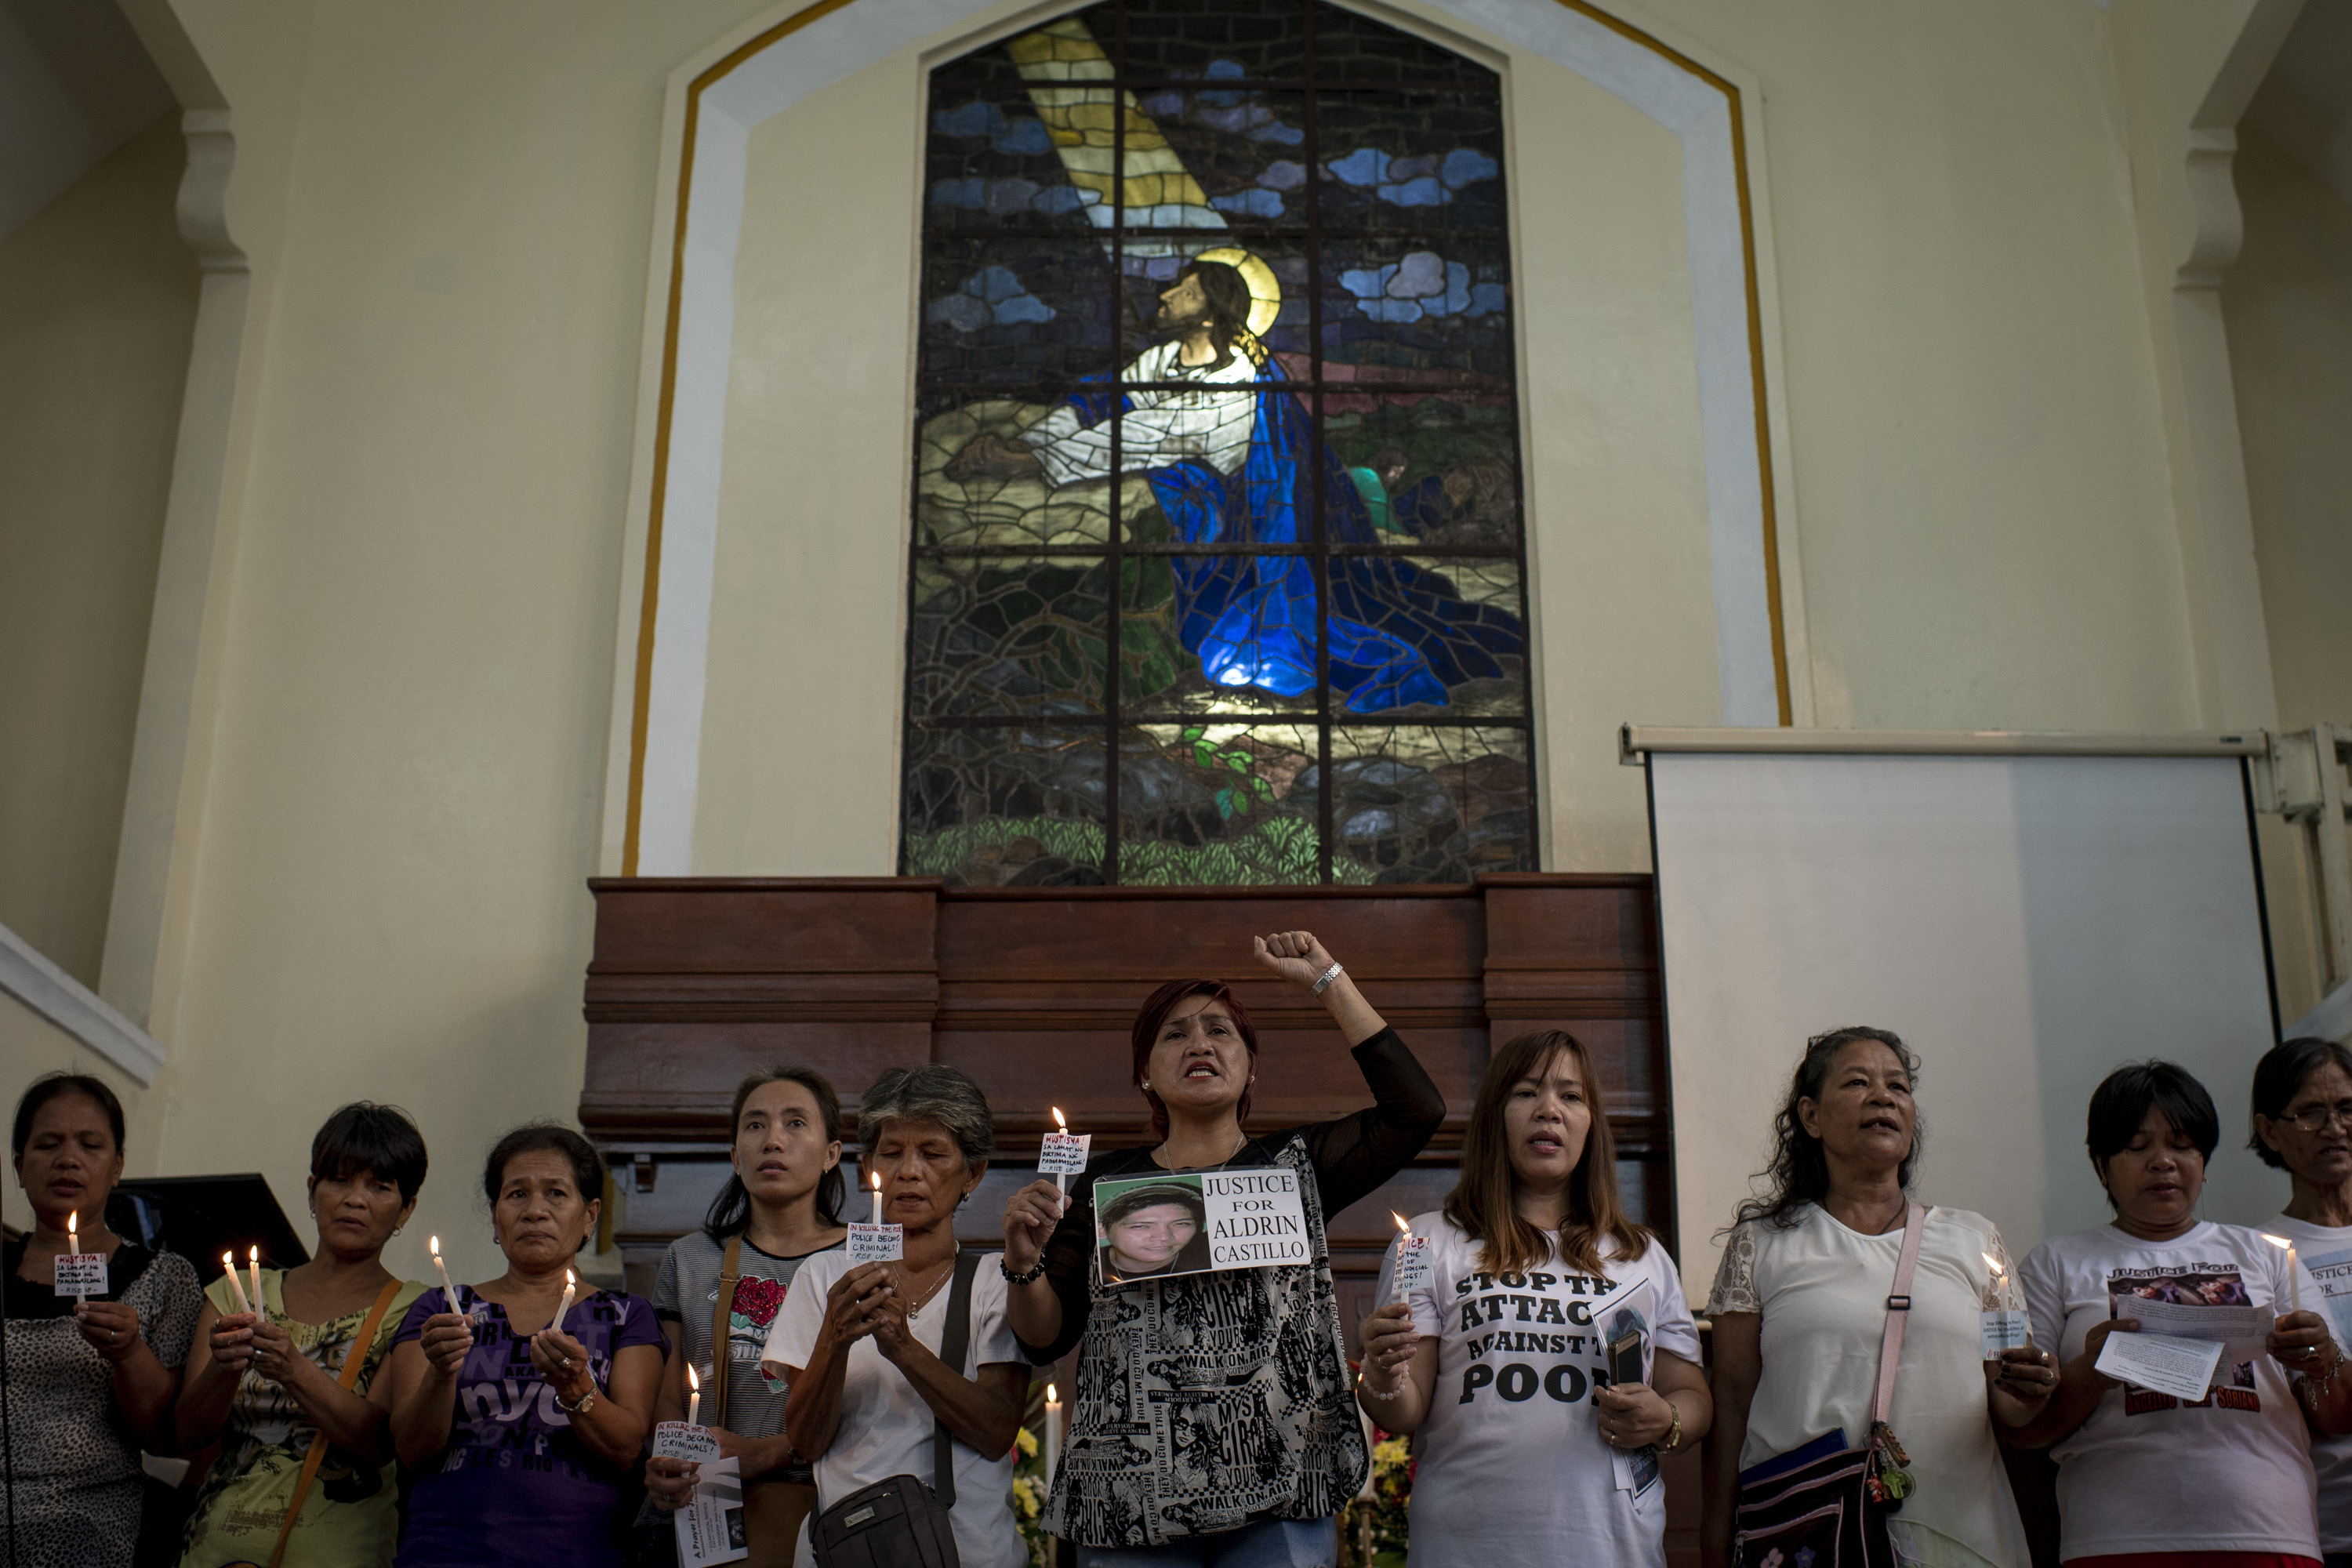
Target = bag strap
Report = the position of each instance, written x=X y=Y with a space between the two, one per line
x=722 y=1315
x=1898 y=1313
x=353 y=1359
x=955 y=1339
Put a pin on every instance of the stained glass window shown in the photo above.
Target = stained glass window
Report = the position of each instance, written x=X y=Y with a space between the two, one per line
x=1218 y=575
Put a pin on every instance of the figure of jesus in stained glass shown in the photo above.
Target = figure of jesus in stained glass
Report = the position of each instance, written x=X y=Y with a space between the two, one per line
x=1244 y=603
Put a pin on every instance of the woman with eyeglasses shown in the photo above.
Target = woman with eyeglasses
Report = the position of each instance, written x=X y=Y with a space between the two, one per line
x=2303 y=1125
x=2223 y=1481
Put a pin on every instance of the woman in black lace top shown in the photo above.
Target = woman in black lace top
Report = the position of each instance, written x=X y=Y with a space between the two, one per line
x=1214 y=1410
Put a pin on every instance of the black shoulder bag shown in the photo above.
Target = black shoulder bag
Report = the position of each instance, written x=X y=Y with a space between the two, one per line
x=1831 y=1511
x=899 y=1522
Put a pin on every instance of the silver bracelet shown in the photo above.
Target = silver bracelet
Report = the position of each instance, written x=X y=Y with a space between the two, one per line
x=1328 y=976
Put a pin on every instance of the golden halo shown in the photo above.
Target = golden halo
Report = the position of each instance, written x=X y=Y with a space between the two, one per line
x=1265 y=293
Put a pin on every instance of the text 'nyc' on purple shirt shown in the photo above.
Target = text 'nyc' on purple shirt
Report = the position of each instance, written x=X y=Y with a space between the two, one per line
x=515 y=1484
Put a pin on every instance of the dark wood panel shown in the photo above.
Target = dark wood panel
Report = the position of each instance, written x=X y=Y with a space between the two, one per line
x=1033 y=992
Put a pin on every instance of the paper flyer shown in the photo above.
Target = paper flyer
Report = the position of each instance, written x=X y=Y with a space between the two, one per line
x=676 y=1440
x=2333 y=1273
x=1415 y=1260
x=710 y=1527
x=1158 y=1227
x=2181 y=1368
x=1625 y=1332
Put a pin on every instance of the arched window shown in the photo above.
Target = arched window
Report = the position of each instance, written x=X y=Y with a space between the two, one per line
x=1216 y=308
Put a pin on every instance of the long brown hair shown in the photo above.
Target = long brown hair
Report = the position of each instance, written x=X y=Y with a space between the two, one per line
x=1484 y=1204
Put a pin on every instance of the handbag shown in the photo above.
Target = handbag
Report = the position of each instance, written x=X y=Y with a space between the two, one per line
x=353 y=1359
x=773 y=1508
x=1825 y=1505
x=899 y=1522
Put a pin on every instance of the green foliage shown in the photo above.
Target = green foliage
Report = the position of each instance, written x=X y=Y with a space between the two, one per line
x=1279 y=850
x=1050 y=617
x=1434 y=433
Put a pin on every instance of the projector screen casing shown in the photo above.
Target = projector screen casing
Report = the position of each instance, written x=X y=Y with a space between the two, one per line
x=2026 y=923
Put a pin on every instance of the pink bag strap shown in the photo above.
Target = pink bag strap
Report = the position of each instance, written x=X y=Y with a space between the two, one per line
x=1898 y=1313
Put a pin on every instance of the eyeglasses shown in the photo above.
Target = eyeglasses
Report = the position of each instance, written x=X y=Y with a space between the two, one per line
x=2314 y=1117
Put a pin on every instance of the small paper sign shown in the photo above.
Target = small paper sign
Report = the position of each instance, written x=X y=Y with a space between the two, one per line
x=1412 y=1265
x=676 y=1440
x=1064 y=1154
x=877 y=1244
x=82 y=1274
x=710 y=1528
x=2182 y=1368
x=2003 y=1331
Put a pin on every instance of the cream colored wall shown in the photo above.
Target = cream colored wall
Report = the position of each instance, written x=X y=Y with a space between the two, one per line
x=405 y=680
x=800 y=728
x=98 y=298
x=800 y=718
x=2288 y=301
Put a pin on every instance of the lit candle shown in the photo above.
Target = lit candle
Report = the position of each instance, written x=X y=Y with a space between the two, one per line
x=448 y=1291
x=694 y=1395
x=73 y=1243
x=253 y=1262
x=1061 y=1185
x=2293 y=1274
x=569 y=1286
x=877 y=1195
x=2000 y=1281
x=1052 y=1430
x=1396 y=1280
x=229 y=1267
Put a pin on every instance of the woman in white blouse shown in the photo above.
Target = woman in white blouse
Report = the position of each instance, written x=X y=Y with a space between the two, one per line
x=1799 y=1302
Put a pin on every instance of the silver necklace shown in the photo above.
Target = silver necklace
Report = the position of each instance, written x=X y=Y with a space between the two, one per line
x=944 y=1276
x=1162 y=1158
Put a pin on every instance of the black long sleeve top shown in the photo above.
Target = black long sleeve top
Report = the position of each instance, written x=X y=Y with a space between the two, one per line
x=1351 y=1157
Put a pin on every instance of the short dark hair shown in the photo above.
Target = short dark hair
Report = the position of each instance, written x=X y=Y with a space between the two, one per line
x=548 y=1137
x=2279 y=1078
x=730 y=1211
x=1151 y=1197
x=2123 y=1098
x=49 y=1087
x=365 y=1136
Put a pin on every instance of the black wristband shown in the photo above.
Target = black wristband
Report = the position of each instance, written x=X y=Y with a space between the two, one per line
x=1013 y=1278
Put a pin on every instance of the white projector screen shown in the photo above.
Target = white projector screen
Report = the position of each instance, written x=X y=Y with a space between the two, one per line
x=2026 y=923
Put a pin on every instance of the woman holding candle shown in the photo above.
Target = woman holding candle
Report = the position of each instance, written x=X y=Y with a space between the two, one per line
x=522 y=1419
x=271 y=1379
x=2303 y=1125
x=1523 y=1441
x=1801 y=1310
x=90 y=1382
x=860 y=1346
x=2227 y=1479
x=781 y=1206
x=1270 y=1382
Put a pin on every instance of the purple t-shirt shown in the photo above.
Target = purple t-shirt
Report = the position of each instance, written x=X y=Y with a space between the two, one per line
x=515 y=1484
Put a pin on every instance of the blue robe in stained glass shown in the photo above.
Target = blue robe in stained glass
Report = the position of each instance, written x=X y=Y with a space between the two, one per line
x=1398 y=636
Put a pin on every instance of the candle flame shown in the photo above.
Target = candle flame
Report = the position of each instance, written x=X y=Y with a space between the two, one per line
x=433 y=1244
x=1052 y=1397
x=2278 y=1241
x=878 y=1180
x=568 y=1281
x=1060 y=1120
x=692 y=1381
x=253 y=1254
x=1993 y=1263
x=1401 y=1224
x=73 y=1226
x=228 y=1261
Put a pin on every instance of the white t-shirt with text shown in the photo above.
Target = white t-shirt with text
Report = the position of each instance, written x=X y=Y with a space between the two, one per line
x=2326 y=1252
x=887 y=1429
x=2230 y=1472
x=1512 y=1467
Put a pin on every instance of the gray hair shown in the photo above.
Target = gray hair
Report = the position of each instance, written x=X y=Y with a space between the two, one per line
x=934 y=1093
